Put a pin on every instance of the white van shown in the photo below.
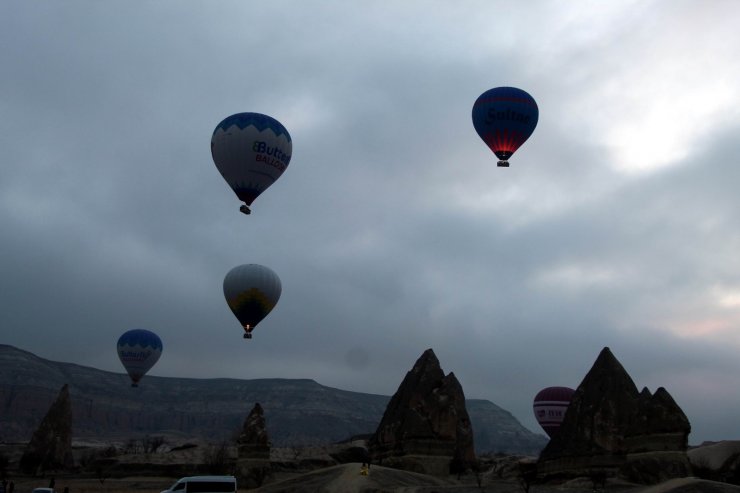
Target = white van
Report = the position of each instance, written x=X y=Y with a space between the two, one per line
x=204 y=484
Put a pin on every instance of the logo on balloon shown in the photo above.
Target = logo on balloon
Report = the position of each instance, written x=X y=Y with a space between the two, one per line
x=277 y=153
x=270 y=162
x=509 y=115
x=134 y=355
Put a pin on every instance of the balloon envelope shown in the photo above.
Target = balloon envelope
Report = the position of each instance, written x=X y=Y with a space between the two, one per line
x=504 y=118
x=549 y=407
x=251 y=151
x=139 y=350
x=251 y=291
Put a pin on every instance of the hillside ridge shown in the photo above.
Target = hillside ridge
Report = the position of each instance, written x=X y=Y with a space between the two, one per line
x=298 y=412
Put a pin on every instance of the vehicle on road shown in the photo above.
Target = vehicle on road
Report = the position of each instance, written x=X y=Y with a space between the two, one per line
x=204 y=484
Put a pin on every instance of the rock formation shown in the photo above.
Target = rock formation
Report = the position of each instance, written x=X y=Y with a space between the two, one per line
x=253 y=464
x=50 y=447
x=253 y=441
x=660 y=424
x=612 y=428
x=426 y=427
x=717 y=461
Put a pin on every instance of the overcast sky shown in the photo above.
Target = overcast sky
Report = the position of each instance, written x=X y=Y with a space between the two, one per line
x=392 y=230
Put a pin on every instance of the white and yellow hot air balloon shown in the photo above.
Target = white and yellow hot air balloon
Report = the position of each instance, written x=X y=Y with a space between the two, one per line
x=251 y=291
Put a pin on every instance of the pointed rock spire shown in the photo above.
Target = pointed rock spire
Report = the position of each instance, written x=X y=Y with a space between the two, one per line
x=50 y=448
x=601 y=409
x=425 y=417
x=253 y=442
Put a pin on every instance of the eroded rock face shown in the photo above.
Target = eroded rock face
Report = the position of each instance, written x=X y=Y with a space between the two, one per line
x=610 y=426
x=50 y=448
x=660 y=424
x=426 y=417
x=253 y=442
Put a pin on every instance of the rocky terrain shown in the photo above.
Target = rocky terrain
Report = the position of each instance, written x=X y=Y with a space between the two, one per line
x=297 y=412
x=613 y=438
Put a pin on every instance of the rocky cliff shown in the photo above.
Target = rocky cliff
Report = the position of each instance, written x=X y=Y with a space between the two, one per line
x=297 y=412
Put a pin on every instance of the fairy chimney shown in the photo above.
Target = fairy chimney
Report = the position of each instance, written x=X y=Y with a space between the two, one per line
x=253 y=441
x=50 y=448
x=426 y=427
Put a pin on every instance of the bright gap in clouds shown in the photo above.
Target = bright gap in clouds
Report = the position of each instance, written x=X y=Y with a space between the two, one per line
x=728 y=297
x=666 y=106
x=668 y=122
x=656 y=82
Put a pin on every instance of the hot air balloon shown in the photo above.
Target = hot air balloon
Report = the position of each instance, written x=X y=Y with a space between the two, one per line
x=138 y=350
x=251 y=291
x=549 y=407
x=505 y=117
x=251 y=151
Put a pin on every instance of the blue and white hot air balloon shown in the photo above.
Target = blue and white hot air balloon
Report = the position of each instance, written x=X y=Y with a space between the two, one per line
x=139 y=350
x=251 y=151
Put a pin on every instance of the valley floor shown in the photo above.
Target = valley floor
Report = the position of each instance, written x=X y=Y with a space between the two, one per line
x=346 y=478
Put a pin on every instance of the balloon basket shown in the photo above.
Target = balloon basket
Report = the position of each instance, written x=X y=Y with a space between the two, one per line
x=247 y=335
x=503 y=164
x=245 y=210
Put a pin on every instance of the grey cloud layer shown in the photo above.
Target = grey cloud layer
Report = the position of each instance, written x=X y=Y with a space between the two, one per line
x=392 y=229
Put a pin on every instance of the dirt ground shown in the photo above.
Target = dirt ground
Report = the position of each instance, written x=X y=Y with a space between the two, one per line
x=90 y=485
x=346 y=478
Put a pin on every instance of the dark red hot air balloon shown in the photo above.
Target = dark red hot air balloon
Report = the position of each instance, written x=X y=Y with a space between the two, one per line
x=549 y=407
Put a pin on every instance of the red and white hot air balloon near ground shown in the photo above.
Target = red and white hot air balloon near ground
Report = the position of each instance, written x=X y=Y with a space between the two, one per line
x=549 y=407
